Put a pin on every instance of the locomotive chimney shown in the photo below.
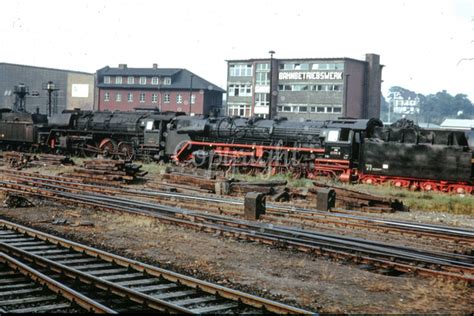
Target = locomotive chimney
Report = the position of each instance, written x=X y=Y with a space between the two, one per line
x=122 y=66
x=155 y=66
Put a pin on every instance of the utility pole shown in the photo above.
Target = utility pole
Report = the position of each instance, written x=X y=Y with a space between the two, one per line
x=190 y=93
x=271 y=111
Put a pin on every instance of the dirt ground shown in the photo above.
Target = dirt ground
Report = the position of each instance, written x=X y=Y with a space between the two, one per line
x=299 y=279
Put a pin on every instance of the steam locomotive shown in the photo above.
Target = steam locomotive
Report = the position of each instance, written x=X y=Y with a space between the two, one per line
x=350 y=149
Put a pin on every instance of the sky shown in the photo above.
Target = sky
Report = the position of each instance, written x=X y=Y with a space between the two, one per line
x=425 y=46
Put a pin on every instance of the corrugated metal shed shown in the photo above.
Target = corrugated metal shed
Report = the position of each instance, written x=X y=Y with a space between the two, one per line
x=458 y=124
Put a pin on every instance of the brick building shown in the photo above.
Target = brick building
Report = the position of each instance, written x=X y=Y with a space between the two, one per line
x=73 y=89
x=166 y=89
x=309 y=88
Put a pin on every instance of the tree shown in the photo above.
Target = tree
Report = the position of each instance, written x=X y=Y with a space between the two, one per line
x=434 y=108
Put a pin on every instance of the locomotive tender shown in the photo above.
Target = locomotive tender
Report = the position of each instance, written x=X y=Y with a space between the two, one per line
x=350 y=149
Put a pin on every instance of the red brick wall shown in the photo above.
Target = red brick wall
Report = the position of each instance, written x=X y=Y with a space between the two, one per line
x=124 y=105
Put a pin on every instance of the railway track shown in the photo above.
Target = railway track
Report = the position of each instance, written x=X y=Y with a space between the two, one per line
x=276 y=212
x=118 y=284
x=400 y=259
x=26 y=290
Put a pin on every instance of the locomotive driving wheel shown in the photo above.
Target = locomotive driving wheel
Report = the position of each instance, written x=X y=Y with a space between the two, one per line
x=107 y=147
x=125 y=151
x=89 y=149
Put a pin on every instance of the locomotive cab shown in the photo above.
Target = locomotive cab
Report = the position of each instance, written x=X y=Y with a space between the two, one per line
x=338 y=143
x=153 y=131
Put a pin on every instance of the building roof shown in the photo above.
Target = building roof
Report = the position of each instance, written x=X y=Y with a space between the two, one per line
x=45 y=68
x=458 y=123
x=180 y=78
x=297 y=59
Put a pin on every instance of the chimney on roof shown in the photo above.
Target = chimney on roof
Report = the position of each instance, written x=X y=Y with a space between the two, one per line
x=122 y=66
x=155 y=66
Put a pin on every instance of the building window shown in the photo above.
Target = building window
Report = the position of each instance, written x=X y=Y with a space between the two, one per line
x=106 y=97
x=303 y=109
x=166 y=98
x=240 y=70
x=262 y=78
x=118 y=80
x=262 y=99
x=130 y=97
x=154 y=98
x=294 y=66
x=320 y=109
x=179 y=98
x=167 y=81
x=130 y=80
x=142 y=97
x=193 y=99
x=301 y=67
x=239 y=110
x=316 y=87
x=285 y=87
x=336 y=66
x=142 y=80
x=155 y=80
x=293 y=87
x=263 y=67
x=337 y=109
x=240 y=90
x=118 y=97
x=106 y=79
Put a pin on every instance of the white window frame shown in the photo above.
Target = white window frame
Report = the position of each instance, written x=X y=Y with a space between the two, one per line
x=118 y=97
x=243 y=90
x=240 y=70
x=265 y=67
x=193 y=99
x=262 y=99
x=154 y=98
x=118 y=80
x=130 y=97
x=107 y=79
x=155 y=80
x=167 y=81
x=166 y=98
x=106 y=97
x=179 y=99
x=142 y=97
x=130 y=80
x=142 y=80
x=262 y=78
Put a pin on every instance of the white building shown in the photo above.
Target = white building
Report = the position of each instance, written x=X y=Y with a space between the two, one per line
x=403 y=105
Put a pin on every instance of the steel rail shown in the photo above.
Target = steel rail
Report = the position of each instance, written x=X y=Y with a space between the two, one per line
x=169 y=209
x=280 y=229
x=234 y=295
x=292 y=231
x=295 y=243
x=56 y=287
x=149 y=301
x=271 y=206
x=435 y=231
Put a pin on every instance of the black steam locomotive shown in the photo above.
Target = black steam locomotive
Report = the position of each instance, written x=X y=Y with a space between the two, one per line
x=353 y=150
x=120 y=134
